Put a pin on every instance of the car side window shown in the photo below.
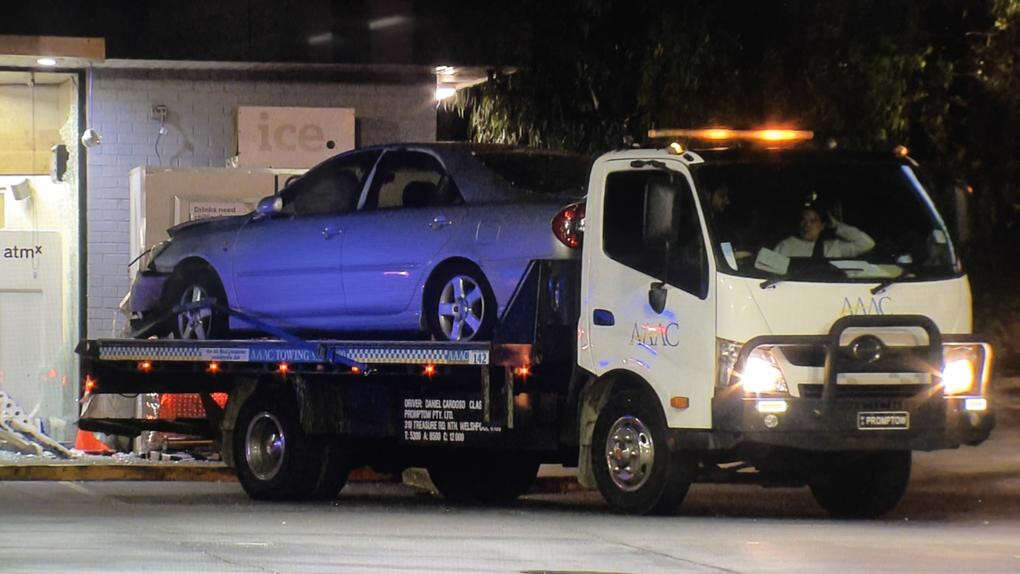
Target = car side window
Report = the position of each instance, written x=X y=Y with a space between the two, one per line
x=332 y=187
x=628 y=220
x=411 y=179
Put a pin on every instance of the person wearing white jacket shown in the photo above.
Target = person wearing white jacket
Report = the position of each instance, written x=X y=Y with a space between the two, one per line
x=849 y=241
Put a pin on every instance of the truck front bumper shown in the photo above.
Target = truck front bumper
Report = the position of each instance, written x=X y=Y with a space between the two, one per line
x=852 y=424
x=861 y=417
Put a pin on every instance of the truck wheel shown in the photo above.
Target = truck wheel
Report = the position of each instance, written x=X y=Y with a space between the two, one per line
x=459 y=305
x=634 y=469
x=193 y=285
x=275 y=460
x=861 y=485
x=489 y=479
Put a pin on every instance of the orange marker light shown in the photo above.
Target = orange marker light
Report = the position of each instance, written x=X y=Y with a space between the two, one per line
x=772 y=135
x=283 y=368
x=90 y=384
x=522 y=372
x=145 y=366
x=430 y=370
x=214 y=368
x=716 y=134
x=355 y=370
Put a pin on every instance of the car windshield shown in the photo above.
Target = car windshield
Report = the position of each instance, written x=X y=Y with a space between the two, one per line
x=539 y=171
x=826 y=220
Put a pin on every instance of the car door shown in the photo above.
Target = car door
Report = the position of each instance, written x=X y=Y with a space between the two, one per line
x=287 y=266
x=651 y=232
x=410 y=211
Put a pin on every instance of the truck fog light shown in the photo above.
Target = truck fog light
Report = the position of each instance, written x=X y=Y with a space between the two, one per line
x=958 y=376
x=770 y=421
x=772 y=406
x=979 y=404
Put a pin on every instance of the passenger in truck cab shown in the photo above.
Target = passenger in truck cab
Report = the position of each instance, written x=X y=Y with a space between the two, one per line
x=823 y=236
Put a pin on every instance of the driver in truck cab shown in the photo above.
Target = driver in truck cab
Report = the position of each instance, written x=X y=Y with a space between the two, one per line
x=848 y=241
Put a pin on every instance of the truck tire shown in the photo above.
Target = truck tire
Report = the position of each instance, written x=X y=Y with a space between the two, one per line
x=861 y=485
x=275 y=460
x=634 y=468
x=193 y=284
x=489 y=479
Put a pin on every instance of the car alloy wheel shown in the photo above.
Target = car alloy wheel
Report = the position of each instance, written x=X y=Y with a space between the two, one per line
x=461 y=308
x=194 y=323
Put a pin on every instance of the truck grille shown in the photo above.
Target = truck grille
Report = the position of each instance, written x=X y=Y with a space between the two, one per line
x=864 y=391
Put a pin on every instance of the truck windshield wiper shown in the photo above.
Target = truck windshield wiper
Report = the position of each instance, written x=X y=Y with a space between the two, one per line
x=771 y=281
x=883 y=285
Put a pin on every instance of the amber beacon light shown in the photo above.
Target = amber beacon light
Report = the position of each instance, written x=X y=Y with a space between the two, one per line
x=767 y=135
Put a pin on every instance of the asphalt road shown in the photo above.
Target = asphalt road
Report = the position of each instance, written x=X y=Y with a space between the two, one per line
x=961 y=514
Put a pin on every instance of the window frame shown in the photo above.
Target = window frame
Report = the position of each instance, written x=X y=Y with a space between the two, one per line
x=690 y=217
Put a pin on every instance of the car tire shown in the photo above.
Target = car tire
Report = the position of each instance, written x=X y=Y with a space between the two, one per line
x=275 y=460
x=487 y=478
x=634 y=468
x=191 y=285
x=861 y=485
x=459 y=305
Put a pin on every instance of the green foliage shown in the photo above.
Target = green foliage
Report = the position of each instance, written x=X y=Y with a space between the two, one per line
x=940 y=76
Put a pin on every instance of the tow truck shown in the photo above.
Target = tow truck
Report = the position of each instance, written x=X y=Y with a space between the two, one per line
x=682 y=346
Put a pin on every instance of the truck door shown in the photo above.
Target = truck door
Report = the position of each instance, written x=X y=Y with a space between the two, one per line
x=646 y=240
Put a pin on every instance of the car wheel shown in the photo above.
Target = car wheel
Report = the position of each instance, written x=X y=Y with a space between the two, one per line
x=459 y=305
x=274 y=458
x=195 y=286
x=634 y=468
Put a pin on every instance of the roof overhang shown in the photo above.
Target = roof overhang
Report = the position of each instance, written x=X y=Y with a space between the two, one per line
x=64 y=51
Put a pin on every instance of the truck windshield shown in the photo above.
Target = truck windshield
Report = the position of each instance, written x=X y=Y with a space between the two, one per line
x=823 y=221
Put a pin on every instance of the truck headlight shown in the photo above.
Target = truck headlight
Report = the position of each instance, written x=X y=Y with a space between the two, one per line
x=726 y=353
x=761 y=373
x=964 y=366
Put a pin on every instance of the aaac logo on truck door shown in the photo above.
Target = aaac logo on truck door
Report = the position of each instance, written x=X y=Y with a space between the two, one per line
x=656 y=334
x=859 y=306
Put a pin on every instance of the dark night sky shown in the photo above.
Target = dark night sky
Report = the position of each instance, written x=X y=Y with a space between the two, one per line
x=365 y=31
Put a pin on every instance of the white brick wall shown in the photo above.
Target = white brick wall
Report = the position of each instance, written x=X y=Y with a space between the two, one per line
x=202 y=126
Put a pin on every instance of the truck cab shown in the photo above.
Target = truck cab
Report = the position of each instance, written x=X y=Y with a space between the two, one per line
x=774 y=311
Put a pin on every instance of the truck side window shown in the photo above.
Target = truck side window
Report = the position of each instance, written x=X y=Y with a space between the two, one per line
x=625 y=239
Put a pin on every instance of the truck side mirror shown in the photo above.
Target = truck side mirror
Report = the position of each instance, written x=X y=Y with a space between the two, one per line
x=269 y=205
x=660 y=213
x=657 y=296
x=662 y=220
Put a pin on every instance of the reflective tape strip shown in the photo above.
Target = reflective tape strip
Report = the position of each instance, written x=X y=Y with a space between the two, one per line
x=413 y=356
x=390 y=354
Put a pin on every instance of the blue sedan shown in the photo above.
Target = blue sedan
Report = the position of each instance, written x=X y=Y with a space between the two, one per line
x=430 y=237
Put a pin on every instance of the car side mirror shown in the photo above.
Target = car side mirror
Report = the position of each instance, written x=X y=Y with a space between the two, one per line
x=269 y=205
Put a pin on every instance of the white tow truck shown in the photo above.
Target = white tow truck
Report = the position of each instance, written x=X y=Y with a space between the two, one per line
x=688 y=343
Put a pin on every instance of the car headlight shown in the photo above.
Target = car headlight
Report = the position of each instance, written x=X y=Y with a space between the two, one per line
x=760 y=374
x=964 y=366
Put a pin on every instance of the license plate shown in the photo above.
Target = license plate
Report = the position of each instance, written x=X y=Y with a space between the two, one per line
x=883 y=420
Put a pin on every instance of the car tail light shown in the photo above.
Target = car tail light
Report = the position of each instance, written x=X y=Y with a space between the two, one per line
x=568 y=225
